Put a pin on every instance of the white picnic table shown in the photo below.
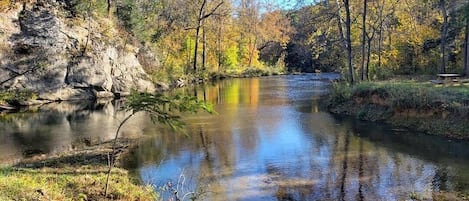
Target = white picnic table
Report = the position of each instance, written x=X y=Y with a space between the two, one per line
x=446 y=78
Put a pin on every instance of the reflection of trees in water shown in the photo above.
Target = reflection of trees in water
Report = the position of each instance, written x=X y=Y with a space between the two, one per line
x=440 y=179
x=338 y=160
x=57 y=127
x=343 y=176
x=287 y=188
x=38 y=133
x=362 y=170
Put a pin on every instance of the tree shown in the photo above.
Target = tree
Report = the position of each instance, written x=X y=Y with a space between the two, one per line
x=340 y=21
x=248 y=22
x=384 y=20
x=348 y=41
x=108 y=7
x=466 y=41
x=202 y=15
x=364 y=36
x=274 y=34
x=444 y=33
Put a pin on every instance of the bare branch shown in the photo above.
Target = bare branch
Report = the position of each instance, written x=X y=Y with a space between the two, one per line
x=212 y=11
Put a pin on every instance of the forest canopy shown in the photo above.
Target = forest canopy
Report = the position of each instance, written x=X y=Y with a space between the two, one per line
x=383 y=37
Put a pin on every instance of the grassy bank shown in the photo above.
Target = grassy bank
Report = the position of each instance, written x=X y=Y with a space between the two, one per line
x=436 y=110
x=80 y=175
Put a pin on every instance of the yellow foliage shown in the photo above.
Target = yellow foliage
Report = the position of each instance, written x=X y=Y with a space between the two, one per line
x=4 y=5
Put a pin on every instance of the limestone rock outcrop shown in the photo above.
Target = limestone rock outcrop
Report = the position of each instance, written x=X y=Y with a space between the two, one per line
x=47 y=49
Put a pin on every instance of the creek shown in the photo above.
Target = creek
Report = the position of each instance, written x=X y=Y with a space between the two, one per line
x=269 y=141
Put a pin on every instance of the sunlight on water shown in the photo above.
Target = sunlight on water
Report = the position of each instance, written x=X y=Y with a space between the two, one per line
x=270 y=141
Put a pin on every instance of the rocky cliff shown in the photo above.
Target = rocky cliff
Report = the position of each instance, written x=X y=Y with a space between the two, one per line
x=48 y=49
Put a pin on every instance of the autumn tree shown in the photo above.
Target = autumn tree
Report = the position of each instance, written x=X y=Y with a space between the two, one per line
x=204 y=12
x=248 y=19
x=444 y=33
x=389 y=36
x=274 y=34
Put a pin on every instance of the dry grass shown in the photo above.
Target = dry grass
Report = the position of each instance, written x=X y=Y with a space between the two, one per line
x=78 y=175
x=84 y=183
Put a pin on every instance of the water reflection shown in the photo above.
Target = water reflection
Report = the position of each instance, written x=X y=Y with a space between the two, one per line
x=58 y=127
x=271 y=141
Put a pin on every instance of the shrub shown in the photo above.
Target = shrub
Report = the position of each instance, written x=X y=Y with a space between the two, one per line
x=254 y=72
x=340 y=93
x=81 y=7
x=16 y=97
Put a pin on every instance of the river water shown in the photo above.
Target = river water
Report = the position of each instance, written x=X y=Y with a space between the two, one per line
x=269 y=141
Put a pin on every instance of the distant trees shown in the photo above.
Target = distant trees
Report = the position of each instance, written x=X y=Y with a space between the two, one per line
x=208 y=35
x=386 y=36
x=362 y=39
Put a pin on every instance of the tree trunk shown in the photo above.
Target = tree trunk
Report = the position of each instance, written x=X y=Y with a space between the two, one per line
x=349 y=41
x=362 y=69
x=197 y=33
x=368 y=58
x=219 y=41
x=108 y=8
x=466 y=49
x=200 y=22
x=204 y=49
x=444 y=32
x=253 y=48
x=380 y=43
x=189 y=59
x=340 y=24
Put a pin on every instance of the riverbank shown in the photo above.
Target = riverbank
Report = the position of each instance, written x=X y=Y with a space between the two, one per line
x=423 y=107
x=75 y=175
x=17 y=99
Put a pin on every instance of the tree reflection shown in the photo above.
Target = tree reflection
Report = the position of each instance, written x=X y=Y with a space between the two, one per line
x=270 y=141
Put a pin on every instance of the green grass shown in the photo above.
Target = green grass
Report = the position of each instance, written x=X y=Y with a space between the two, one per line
x=83 y=183
x=436 y=110
x=405 y=94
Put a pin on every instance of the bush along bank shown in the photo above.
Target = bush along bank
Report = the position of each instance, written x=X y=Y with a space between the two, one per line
x=418 y=106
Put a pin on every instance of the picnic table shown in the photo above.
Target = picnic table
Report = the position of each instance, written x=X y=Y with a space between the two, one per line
x=446 y=78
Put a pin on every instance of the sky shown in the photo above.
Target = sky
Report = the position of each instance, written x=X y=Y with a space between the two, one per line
x=288 y=4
